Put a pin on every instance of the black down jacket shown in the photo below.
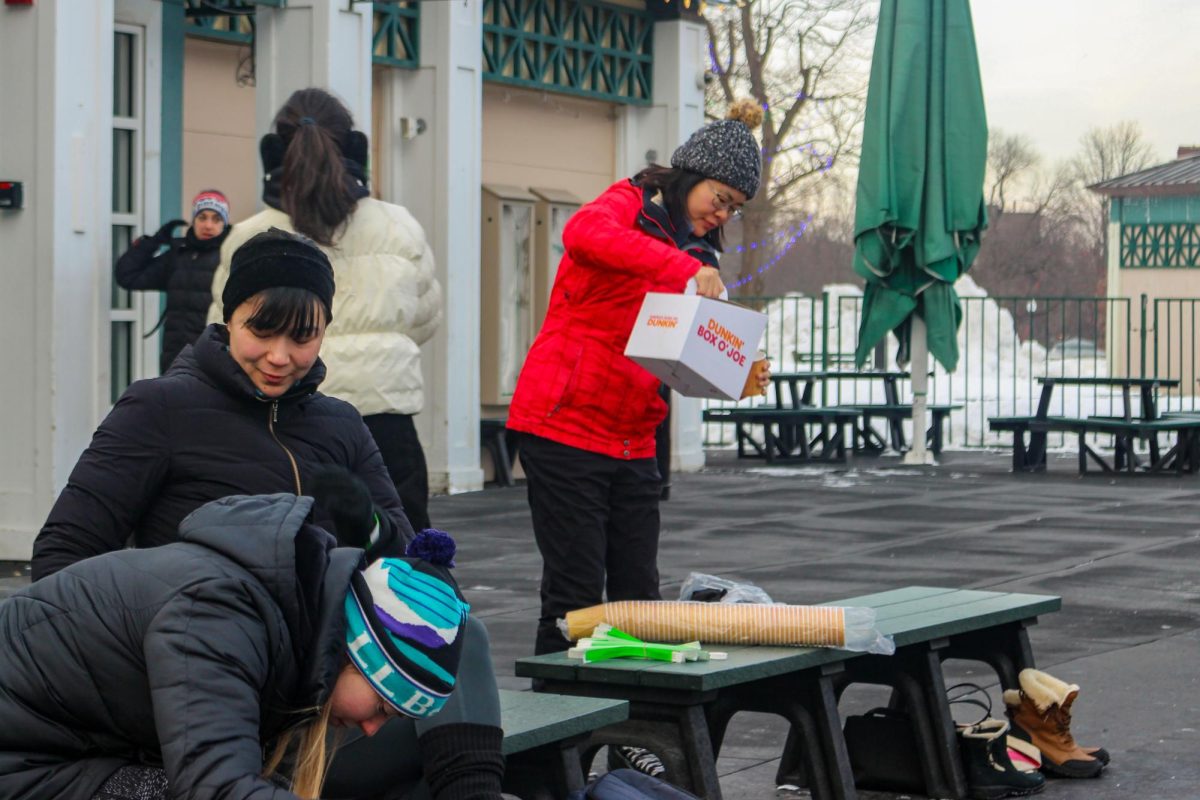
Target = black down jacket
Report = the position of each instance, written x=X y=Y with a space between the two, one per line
x=200 y=432
x=193 y=656
x=185 y=272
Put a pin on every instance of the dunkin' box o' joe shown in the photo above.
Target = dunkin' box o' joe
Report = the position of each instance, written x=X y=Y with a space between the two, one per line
x=697 y=346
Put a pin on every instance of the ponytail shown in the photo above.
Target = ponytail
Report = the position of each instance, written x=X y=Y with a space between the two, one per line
x=315 y=191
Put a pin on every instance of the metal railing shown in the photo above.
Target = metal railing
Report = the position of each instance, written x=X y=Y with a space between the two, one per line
x=1005 y=344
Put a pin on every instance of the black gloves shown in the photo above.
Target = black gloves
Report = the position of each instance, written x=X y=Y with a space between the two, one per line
x=462 y=761
x=164 y=234
x=347 y=500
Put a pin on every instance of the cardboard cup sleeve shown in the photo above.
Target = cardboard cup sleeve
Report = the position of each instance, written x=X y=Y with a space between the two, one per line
x=674 y=622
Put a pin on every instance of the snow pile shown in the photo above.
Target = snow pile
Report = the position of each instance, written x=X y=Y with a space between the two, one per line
x=996 y=376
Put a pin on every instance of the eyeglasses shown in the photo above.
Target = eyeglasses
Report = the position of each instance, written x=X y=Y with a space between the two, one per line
x=723 y=202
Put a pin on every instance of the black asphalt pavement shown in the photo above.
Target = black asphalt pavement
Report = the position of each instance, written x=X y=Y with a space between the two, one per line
x=1122 y=552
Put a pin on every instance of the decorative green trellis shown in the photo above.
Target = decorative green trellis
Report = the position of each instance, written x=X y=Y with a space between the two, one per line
x=1160 y=246
x=397 y=37
x=224 y=20
x=580 y=47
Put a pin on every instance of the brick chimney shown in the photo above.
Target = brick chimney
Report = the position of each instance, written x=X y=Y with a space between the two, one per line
x=1187 y=151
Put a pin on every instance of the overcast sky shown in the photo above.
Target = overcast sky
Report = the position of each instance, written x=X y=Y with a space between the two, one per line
x=1052 y=69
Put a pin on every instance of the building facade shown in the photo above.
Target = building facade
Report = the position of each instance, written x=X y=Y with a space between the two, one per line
x=1153 y=255
x=490 y=120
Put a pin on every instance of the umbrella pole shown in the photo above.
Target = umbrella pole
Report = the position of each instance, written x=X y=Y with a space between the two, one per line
x=919 y=368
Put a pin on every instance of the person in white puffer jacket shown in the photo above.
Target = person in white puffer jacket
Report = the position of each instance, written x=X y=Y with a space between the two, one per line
x=388 y=301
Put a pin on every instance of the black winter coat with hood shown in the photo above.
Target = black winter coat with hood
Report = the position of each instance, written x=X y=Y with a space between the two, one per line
x=193 y=656
x=185 y=272
x=198 y=433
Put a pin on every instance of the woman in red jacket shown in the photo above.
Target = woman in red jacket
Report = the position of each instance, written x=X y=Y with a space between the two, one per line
x=587 y=414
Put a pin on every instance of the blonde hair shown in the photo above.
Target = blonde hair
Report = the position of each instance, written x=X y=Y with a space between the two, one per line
x=312 y=755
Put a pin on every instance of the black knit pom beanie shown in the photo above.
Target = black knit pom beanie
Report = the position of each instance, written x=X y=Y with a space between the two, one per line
x=726 y=150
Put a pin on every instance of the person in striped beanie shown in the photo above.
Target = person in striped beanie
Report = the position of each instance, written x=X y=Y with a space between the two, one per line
x=404 y=624
x=181 y=266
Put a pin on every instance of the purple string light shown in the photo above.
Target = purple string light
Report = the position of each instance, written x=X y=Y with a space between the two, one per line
x=792 y=236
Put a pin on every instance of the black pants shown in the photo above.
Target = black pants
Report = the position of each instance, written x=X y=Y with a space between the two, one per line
x=396 y=436
x=596 y=523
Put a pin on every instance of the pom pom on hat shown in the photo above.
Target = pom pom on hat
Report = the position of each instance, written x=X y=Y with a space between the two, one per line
x=747 y=112
x=404 y=629
x=434 y=546
x=726 y=150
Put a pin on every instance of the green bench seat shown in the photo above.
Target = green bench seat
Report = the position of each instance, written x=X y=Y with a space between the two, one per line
x=867 y=439
x=542 y=733
x=1182 y=456
x=680 y=711
x=785 y=433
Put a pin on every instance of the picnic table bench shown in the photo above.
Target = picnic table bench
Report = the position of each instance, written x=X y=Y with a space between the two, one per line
x=542 y=733
x=1126 y=429
x=785 y=436
x=866 y=438
x=501 y=444
x=680 y=711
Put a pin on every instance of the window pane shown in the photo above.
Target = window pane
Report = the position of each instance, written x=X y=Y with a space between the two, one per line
x=123 y=74
x=121 y=363
x=122 y=199
x=122 y=236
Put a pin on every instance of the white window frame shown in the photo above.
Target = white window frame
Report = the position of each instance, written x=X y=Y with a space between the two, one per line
x=142 y=20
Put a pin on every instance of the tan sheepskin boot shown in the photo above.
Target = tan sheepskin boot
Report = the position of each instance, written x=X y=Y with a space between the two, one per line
x=1040 y=712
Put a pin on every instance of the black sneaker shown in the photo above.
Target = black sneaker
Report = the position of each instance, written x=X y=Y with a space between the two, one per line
x=635 y=758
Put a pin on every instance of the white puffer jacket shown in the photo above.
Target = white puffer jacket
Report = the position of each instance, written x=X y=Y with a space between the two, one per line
x=387 y=303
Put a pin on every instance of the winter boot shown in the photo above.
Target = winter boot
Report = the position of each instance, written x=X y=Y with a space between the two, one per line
x=1024 y=755
x=990 y=774
x=1040 y=712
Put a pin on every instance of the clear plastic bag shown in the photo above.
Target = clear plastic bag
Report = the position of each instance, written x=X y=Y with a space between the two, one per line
x=711 y=589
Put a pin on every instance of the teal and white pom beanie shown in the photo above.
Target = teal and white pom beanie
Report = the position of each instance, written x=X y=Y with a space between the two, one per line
x=405 y=620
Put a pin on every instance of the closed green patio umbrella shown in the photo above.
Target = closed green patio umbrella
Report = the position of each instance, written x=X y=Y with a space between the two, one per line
x=919 y=208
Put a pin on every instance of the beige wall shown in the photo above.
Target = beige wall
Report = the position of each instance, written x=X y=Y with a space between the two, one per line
x=1177 y=324
x=220 y=147
x=548 y=141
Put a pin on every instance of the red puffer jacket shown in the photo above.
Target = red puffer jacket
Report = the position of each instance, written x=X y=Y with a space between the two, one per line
x=577 y=387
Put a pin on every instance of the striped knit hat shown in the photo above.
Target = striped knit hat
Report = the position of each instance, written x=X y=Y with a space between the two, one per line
x=405 y=619
x=211 y=200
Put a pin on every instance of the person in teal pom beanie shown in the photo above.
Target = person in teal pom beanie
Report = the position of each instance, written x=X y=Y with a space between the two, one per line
x=198 y=668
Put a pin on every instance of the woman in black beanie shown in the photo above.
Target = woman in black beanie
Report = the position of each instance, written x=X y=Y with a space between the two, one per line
x=239 y=412
x=315 y=183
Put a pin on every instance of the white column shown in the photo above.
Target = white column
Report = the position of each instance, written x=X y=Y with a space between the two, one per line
x=321 y=43
x=919 y=369
x=677 y=111
x=56 y=130
x=436 y=174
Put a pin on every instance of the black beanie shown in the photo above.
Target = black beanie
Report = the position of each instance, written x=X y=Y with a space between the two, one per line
x=274 y=259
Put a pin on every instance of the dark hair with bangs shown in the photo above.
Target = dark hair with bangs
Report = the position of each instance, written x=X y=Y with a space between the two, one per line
x=287 y=309
x=675 y=184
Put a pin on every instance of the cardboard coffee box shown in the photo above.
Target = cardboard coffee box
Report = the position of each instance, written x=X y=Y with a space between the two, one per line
x=697 y=346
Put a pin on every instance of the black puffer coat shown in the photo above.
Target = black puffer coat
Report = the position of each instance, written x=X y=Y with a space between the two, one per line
x=193 y=656
x=185 y=272
x=200 y=432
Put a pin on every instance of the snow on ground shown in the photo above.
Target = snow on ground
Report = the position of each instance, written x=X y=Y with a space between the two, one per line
x=996 y=376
